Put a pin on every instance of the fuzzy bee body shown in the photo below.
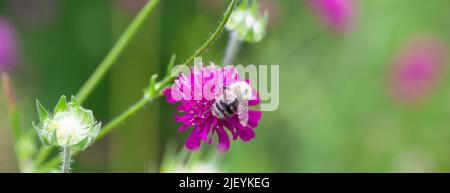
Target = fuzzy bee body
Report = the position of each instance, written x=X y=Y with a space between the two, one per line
x=225 y=108
x=233 y=101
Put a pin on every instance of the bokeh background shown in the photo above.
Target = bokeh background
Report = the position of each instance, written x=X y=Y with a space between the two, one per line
x=339 y=106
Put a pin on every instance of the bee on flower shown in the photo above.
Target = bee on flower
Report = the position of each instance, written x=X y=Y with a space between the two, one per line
x=213 y=101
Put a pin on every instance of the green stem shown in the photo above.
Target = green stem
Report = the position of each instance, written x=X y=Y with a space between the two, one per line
x=124 y=116
x=13 y=114
x=15 y=123
x=65 y=165
x=214 y=35
x=12 y=108
x=232 y=48
x=115 y=52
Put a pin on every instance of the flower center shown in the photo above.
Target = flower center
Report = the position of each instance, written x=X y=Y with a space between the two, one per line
x=69 y=128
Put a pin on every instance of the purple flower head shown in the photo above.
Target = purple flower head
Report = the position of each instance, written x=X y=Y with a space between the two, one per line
x=8 y=46
x=197 y=93
x=338 y=15
x=417 y=69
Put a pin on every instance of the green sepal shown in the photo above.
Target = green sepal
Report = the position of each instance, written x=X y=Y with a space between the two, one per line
x=43 y=140
x=42 y=112
x=82 y=145
x=62 y=105
x=74 y=102
x=87 y=116
x=54 y=138
x=96 y=130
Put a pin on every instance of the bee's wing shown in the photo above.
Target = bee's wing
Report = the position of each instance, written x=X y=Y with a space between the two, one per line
x=242 y=112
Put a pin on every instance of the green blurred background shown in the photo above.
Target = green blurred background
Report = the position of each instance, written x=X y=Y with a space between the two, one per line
x=335 y=114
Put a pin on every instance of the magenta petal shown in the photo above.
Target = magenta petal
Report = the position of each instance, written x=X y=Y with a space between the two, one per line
x=235 y=122
x=183 y=118
x=231 y=129
x=168 y=93
x=193 y=141
x=186 y=125
x=224 y=141
x=253 y=118
x=183 y=127
x=213 y=126
x=184 y=107
x=246 y=135
x=205 y=131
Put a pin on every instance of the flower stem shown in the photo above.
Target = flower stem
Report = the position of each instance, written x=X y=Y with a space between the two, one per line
x=124 y=116
x=65 y=166
x=12 y=109
x=232 y=48
x=214 y=35
x=115 y=52
x=14 y=116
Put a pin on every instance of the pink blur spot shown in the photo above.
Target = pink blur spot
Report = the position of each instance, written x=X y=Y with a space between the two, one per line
x=417 y=69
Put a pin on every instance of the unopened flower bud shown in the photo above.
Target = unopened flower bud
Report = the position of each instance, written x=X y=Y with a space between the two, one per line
x=248 y=22
x=70 y=125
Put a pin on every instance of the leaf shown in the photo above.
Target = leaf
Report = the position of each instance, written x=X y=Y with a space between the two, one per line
x=150 y=90
x=152 y=84
x=171 y=64
x=62 y=105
